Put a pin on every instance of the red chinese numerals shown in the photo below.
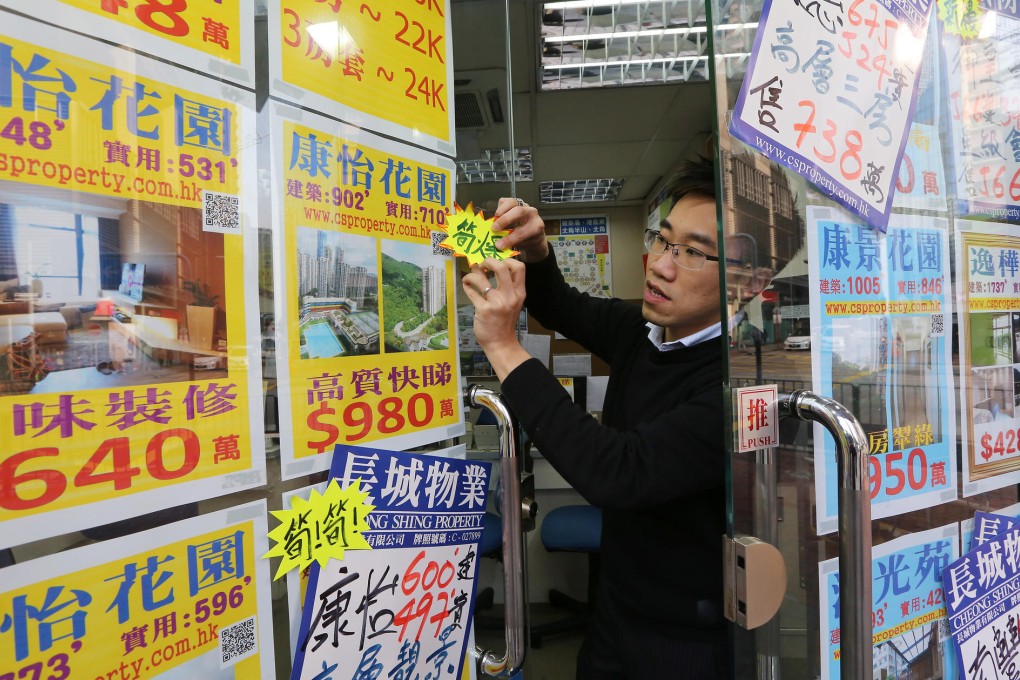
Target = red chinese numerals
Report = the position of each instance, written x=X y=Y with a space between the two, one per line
x=415 y=36
x=1004 y=444
x=358 y=418
x=163 y=16
x=934 y=599
x=848 y=149
x=931 y=285
x=169 y=455
x=915 y=605
x=878 y=616
x=427 y=589
x=988 y=183
x=896 y=473
x=863 y=285
x=864 y=59
x=351 y=60
x=988 y=287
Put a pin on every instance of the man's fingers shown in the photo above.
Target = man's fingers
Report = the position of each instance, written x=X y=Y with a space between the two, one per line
x=474 y=283
x=507 y=272
x=516 y=268
x=506 y=218
x=508 y=241
x=504 y=206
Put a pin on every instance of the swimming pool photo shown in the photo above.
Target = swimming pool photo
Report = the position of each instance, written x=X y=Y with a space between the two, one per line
x=321 y=342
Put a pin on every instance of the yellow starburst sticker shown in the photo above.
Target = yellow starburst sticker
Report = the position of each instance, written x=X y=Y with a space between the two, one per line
x=321 y=528
x=470 y=235
x=962 y=17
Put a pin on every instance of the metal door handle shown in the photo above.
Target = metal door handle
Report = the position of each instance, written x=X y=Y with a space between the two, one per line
x=515 y=612
x=854 y=524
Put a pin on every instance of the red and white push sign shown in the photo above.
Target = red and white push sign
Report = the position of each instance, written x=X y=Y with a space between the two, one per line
x=757 y=418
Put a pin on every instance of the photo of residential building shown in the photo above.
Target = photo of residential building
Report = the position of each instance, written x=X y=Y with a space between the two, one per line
x=338 y=297
x=414 y=298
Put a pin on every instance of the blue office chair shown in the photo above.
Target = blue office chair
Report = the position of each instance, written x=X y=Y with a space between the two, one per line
x=571 y=528
x=491 y=546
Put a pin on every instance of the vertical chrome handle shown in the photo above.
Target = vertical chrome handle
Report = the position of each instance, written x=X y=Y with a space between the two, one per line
x=854 y=524
x=515 y=612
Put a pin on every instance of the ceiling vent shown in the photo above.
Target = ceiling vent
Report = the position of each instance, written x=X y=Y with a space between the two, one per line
x=477 y=96
x=470 y=111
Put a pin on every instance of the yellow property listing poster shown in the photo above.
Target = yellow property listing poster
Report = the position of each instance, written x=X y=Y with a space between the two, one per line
x=384 y=65
x=364 y=300
x=127 y=380
x=216 y=37
x=188 y=600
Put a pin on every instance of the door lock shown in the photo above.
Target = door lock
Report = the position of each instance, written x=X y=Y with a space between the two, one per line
x=754 y=574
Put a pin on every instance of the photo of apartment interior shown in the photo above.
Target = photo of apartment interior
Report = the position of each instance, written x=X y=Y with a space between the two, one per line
x=916 y=378
x=992 y=374
x=102 y=292
x=893 y=364
x=859 y=352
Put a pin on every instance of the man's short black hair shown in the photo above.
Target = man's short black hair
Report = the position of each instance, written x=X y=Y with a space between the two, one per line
x=696 y=177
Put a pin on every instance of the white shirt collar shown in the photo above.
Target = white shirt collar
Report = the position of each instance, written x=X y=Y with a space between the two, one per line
x=656 y=334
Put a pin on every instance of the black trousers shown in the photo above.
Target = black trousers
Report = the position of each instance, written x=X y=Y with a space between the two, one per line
x=621 y=646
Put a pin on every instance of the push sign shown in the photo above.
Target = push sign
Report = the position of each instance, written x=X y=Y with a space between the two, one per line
x=757 y=419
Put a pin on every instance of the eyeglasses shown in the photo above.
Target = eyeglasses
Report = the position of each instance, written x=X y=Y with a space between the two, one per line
x=686 y=257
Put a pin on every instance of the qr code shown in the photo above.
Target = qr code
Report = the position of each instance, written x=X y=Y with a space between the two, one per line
x=938 y=322
x=437 y=238
x=237 y=642
x=221 y=213
x=943 y=629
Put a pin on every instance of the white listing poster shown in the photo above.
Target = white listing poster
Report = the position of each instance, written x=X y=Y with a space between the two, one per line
x=416 y=583
x=982 y=80
x=981 y=596
x=830 y=92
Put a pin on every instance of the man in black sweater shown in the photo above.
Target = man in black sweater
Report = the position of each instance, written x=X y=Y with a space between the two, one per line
x=656 y=464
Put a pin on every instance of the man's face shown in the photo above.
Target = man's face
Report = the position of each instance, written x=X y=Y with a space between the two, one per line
x=684 y=301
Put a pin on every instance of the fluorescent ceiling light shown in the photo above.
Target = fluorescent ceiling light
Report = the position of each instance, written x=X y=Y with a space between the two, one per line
x=578 y=37
x=596 y=43
x=617 y=63
x=496 y=166
x=737 y=27
x=588 y=4
x=580 y=190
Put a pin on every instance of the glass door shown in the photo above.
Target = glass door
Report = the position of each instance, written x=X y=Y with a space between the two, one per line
x=909 y=317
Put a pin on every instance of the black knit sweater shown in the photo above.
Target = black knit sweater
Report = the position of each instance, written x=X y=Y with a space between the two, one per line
x=656 y=464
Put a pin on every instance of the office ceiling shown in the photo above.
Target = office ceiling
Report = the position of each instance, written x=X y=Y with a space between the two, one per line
x=638 y=133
